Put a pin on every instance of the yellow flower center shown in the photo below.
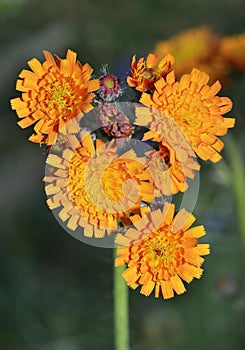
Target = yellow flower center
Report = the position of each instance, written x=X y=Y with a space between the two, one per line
x=113 y=178
x=59 y=95
x=186 y=111
x=163 y=251
x=96 y=184
x=109 y=83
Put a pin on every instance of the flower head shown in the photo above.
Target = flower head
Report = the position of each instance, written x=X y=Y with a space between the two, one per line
x=162 y=251
x=96 y=187
x=169 y=169
x=54 y=96
x=114 y=122
x=195 y=108
x=110 y=88
x=145 y=73
x=173 y=161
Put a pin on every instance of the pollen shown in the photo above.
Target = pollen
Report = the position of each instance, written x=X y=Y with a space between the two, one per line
x=59 y=96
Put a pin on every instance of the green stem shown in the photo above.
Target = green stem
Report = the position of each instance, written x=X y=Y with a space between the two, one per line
x=121 y=315
x=237 y=181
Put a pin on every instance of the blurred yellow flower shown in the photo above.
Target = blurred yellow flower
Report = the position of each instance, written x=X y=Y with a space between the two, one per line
x=53 y=94
x=161 y=251
x=232 y=48
x=195 y=47
x=95 y=186
x=195 y=108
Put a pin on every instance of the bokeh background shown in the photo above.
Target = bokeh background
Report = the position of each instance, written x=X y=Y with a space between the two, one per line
x=56 y=293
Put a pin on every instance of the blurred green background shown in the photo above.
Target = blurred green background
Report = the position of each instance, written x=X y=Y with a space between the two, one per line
x=57 y=293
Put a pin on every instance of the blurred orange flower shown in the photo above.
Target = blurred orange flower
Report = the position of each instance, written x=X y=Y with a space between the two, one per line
x=232 y=48
x=195 y=47
x=161 y=251
x=54 y=95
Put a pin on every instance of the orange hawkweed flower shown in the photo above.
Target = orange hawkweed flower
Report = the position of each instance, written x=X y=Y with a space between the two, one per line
x=145 y=73
x=54 y=94
x=174 y=161
x=161 y=251
x=232 y=48
x=195 y=108
x=96 y=187
x=169 y=169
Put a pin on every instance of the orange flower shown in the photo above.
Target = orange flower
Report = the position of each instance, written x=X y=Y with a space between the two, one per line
x=144 y=74
x=232 y=48
x=54 y=95
x=195 y=108
x=174 y=161
x=195 y=47
x=96 y=188
x=169 y=169
x=161 y=252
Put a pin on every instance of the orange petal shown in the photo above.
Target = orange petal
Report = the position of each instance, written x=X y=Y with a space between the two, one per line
x=151 y=60
x=177 y=284
x=37 y=68
x=167 y=290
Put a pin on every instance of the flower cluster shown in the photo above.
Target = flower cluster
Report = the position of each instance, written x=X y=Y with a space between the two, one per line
x=112 y=168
